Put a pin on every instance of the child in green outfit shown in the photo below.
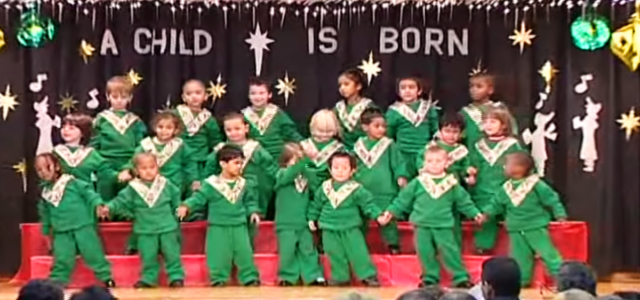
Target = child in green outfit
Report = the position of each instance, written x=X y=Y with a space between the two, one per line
x=431 y=199
x=528 y=203
x=298 y=255
x=381 y=169
x=230 y=200
x=323 y=143
x=351 y=83
x=337 y=207
x=68 y=214
x=152 y=200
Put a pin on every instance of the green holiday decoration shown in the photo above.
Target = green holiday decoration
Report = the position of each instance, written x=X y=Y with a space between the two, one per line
x=590 y=32
x=35 y=30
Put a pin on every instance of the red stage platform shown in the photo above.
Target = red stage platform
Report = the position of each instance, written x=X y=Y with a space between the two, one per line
x=571 y=239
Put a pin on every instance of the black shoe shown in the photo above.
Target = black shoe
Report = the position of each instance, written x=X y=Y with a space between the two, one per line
x=218 y=284
x=339 y=284
x=252 y=283
x=318 y=282
x=131 y=251
x=426 y=284
x=371 y=282
x=177 y=283
x=110 y=283
x=464 y=285
x=394 y=250
x=481 y=252
x=285 y=283
x=142 y=285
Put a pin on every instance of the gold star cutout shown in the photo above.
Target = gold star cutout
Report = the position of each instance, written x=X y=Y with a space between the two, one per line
x=522 y=37
x=167 y=105
x=134 y=77
x=86 y=51
x=478 y=69
x=286 y=87
x=370 y=68
x=629 y=122
x=7 y=102
x=21 y=169
x=216 y=90
x=67 y=103
x=548 y=72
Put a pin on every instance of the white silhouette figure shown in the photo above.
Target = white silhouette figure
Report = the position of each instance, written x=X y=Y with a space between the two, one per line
x=538 y=138
x=45 y=123
x=589 y=125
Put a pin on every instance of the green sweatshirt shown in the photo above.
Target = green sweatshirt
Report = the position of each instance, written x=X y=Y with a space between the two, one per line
x=528 y=204
x=340 y=205
x=174 y=158
x=201 y=131
x=458 y=155
x=271 y=127
x=349 y=117
x=473 y=114
x=82 y=162
x=412 y=125
x=319 y=168
x=488 y=158
x=380 y=165
x=292 y=196
x=67 y=204
x=117 y=133
x=430 y=201
x=152 y=204
x=229 y=203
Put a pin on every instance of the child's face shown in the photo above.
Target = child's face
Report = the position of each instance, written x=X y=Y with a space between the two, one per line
x=118 y=101
x=71 y=134
x=493 y=127
x=435 y=163
x=236 y=130
x=348 y=87
x=408 y=90
x=165 y=129
x=233 y=167
x=341 y=169
x=193 y=94
x=259 y=95
x=450 y=134
x=514 y=168
x=376 y=129
x=45 y=169
x=147 y=168
x=480 y=89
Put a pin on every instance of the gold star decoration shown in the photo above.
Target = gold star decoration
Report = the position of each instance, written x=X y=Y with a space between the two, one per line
x=548 y=72
x=133 y=77
x=216 y=90
x=629 y=122
x=167 y=105
x=21 y=169
x=370 y=68
x=478 y=69
x=2 y=42
x=67 y=103
x=286 y=87
x=86 y=50
x=522 y=37
x=7 y=102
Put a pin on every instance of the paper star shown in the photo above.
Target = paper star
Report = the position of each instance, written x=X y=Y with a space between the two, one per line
x=67 y=103
x=286 y=87
x=548 y=72
x=370 y=68
x=216 y=90
x=629 y=122
x=134 y=77
x=21 y=169
x=86 y=51
x=478 y=69
x=522 y=37
x=167 y=105
x=259 y=42
x=7 y=102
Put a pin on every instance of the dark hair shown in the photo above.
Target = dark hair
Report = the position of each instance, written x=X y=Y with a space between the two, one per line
x=576 y=275
x=488 y=77
x=452 y=119
x=84 y=122
x=40 y=289
x=369 y=114
x=524 y=159
x=136 y=160
x=421 y=83
x=257 y=81
x=229 y=152
x=233 y=116
x=503 y=275
x=627 y=295
x=614 y=296
x=457 y=295
x=167 y=115
x=356 y=76
x=343 y=154
x=197 y=81
x=93 y=293
x=51 y=159
x=428 y=293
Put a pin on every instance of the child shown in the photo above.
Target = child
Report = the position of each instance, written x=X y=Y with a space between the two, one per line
x=337 y=207
x=298 y=255
x=527 y=201
x=230 y=199
x=67 y=212
x=269 y=125
x=201 y=132
x=117 y=132
x=412 y=122
x=324 y=128
x=487 y=156
x=430 y=199
x=350 y=109
x=152 y=201
x=76 y=158
x=381 y=169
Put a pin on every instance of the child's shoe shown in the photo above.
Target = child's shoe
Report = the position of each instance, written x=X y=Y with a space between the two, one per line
x=371 y=282
x=177 y=283
x=130 y=251
x=142 y=285
x=218 y=284
x=338 y=284
x=464 y=285
x=394 y=250
x=252 y=283
x=284 y=283
x=426 y=284
x=318 y=282
x=481 y=251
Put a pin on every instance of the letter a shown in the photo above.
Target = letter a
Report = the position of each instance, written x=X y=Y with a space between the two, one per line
x=108 y=43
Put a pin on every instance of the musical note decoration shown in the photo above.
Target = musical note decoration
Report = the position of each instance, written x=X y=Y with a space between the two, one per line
x=93 y=103
x=625 y=42
x=36 y=86
x=629 y=123
x=583 y=85
x=21 y=169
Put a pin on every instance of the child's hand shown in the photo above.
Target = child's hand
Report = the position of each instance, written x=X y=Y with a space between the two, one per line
x=402 y=182
x=561 y=220
x=124 y=176
x=471 y=180
x=472 y=171
x=311 y=153
x=255 y=218
x=182 y=212
x=480 y=218
x=102 y=211
x=196 y=185
x=312 y=226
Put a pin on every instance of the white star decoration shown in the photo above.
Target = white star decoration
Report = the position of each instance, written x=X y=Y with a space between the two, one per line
x=259 y=42
x=370 y=68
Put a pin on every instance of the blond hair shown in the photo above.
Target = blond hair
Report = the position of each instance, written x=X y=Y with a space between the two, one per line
x=503 y=115
x=138 y=157
x=289 y=151
x=325 y=121
x=119 y=85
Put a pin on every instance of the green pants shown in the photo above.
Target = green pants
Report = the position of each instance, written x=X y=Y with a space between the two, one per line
x=108 y=188
x=67 y=244
x=457 y=228
x=228 y=246
x=344 y=248
x=389 y=232
x=168 y=245
x=431 y=241
x=485 y=237
x=526 y=244
x=410 y=163
x=298 y=256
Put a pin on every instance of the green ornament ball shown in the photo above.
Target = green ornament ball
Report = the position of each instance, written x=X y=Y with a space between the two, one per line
x=35 y=30
x=590 y=32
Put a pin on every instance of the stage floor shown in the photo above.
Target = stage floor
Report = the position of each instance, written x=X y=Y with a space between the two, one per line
x=8 y=292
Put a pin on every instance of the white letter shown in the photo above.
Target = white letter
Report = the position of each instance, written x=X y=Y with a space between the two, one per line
x=388 y=40
x=462 y=45
x=137 y=41
x=435 y=43
x=416 y=40
x=328 y=36
x=201 y=48
x=162 y=42
x=108 y=43
x=310 y=40
x=183 y=47
x=172 y=41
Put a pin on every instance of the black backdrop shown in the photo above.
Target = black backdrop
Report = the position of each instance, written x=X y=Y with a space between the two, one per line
x=607 y=198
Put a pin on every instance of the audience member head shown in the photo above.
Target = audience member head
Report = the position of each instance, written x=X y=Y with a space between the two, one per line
x=93 y=293
x=500 y=278
x=574 y=294
x=610 y=297
x=40 y=289
x=626 y=295
x=576 y=275
x=356 y=296
x=432 y=292
x=457 y=295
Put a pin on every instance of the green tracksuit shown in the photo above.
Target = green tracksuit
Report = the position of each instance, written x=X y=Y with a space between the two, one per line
x=528 y=204
x=271 y=127
x=201 y=133
x=473 y=114
x=82 y=162
x=67 y=212
x=319 y=167
x=349 y=117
